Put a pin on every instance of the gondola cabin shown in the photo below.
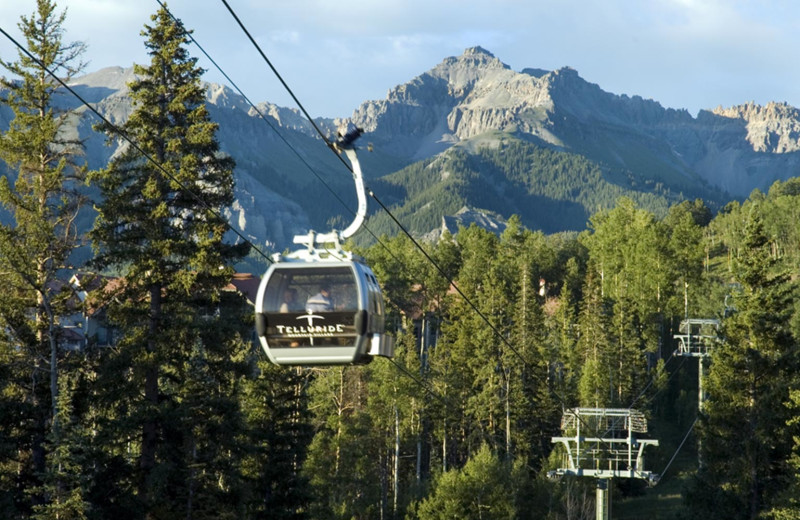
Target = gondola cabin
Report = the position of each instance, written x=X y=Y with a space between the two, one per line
x=323 y=305
x=325 y=312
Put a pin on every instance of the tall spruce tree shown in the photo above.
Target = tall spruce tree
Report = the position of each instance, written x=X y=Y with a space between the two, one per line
x=528 y=380
x=159 y=223
x=41 y=196
x=594 y=344
x=746 y=436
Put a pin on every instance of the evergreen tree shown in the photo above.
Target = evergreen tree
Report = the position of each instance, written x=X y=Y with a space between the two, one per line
x=594 y=344
x=66 y=487
x=341 y=465
x=562 y=327
x=482 y=489
x=787 y=503
x=35 y=246
x=464 y=362
x=530 y=375
x=745 y=431
x=160 y=224
x=278 y=433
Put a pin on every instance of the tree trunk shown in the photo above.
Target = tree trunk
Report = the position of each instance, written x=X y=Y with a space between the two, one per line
x=395 y=482
x=147 y=459
x=508 y=415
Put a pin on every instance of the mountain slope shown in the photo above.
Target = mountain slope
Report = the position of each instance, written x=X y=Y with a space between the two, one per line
x=453 y=118
x=550 y=190
x=734 y=150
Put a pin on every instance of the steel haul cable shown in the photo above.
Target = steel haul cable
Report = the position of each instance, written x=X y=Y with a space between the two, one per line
x=386 y=209
x=406 y=232
x=135 y=145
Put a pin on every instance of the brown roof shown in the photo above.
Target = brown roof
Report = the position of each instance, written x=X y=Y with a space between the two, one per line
x=246 y=284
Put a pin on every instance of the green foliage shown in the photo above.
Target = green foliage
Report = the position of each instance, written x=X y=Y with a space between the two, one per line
x=631 y=285
x=181 y=418
x=342 y=455
x=750 y=382
x=275 y=439
x=786 y=505
x=66 y=482
x=41 y=195
x=160 y=222
x=594 y=346
x=482 y=489
x=549 y=190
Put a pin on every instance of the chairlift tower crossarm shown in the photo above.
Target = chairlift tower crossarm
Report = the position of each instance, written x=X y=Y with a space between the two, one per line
x=617 y=453
x=697 y=337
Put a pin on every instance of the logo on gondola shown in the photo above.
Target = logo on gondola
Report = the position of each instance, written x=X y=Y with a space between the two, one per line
x=310 y=318
x=310 y=329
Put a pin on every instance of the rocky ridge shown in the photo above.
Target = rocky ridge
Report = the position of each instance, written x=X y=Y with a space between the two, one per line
x=736 y=149
x=468 y=100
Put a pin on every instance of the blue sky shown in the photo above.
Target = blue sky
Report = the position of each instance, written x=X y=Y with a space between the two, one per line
x=691 y=54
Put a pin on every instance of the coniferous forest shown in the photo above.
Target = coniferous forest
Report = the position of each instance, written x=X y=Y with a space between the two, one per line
x=182 y=416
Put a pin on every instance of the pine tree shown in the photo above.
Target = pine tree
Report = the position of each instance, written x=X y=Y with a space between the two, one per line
x=43 y=202
x=746 y=439
x=482 y=489
x=562 y=328
x=66 y=487
x=278 y=433
x=787 y=503
x=160 y=224
x=529 y=378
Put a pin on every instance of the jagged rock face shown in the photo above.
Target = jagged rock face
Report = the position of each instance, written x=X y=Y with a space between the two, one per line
x=458 y=99
x=736 y=149
x=774 y=128
x=465 y=217
x=263 y=216
x=466 y=100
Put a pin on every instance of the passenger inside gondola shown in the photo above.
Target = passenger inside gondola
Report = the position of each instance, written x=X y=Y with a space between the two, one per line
x=320 y=302
x=290 y=303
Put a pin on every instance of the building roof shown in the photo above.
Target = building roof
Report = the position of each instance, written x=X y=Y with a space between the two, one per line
x=245 y=283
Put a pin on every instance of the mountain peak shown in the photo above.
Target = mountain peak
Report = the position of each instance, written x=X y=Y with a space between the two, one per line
x=472 y=58
x=115 y=78
x=477 y=50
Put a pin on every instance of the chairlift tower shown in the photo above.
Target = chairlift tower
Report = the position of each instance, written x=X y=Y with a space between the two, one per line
x=617 y=452
x=697 y=339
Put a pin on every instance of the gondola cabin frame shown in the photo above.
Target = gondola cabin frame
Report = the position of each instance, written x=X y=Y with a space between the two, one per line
x=300 y=332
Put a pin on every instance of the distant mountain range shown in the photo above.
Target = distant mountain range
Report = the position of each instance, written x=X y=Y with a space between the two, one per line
x=473 y=139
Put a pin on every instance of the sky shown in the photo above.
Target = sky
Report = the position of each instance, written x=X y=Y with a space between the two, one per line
x=336 y=54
